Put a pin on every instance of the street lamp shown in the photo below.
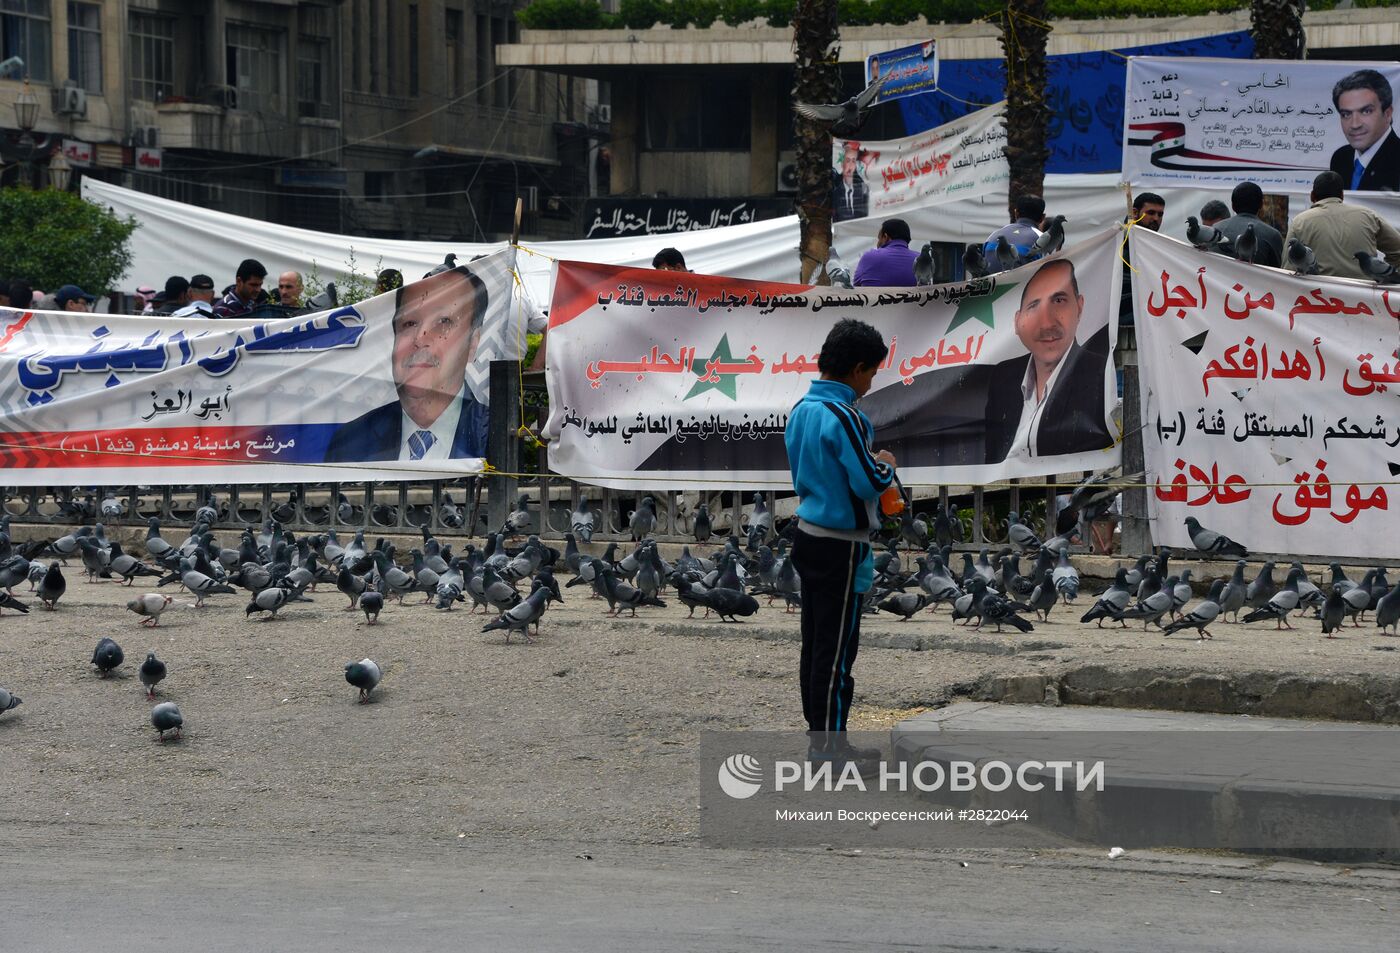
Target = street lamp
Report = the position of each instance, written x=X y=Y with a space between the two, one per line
x=60 y=172
x=26 y=115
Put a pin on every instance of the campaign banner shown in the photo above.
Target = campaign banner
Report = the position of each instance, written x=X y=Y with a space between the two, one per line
x=964 y=158
x=1275 y=122
x=672 y=379
x=391 y=388
x=616 y=218
x=907 y=71
x=1269 y=403
x=1083 y=91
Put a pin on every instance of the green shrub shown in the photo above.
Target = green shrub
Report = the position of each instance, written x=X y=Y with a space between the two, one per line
x=642 y=14
x=56 y=239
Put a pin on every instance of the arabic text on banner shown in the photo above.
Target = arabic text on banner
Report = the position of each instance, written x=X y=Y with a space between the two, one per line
x=962 y=159
x=335 y=395
x=907 y=71
x=677 y=379
x=1269 y=402
x=1221 y=121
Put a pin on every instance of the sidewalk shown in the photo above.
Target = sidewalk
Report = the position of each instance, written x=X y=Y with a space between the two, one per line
x=1326 y=790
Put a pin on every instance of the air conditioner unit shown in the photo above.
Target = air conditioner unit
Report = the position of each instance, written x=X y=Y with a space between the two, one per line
x=146 y=136
x=70 y=101
x=787 y=172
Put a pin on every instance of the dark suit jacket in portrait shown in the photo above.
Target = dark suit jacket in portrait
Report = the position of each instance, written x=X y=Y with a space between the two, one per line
x=859 y=203
x=378 y=435
x=1383 y=173
x=1072 y=420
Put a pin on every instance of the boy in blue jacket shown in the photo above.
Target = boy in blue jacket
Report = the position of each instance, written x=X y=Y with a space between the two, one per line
x=839 y=481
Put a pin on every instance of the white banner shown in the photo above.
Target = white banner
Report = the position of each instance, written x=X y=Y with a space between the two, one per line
x=1270 y=403
x=1274 y=122
x=391 y=388
x=676 y=380
x=961 y=159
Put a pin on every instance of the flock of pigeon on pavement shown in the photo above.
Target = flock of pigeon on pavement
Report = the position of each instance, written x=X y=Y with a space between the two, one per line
x=277 y=569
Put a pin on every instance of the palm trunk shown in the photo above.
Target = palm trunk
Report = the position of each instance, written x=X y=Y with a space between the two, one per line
x=816 y=42
x=1277 y=26
x=1023 y=39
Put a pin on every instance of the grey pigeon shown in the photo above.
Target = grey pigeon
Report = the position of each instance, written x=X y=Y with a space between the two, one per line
x=152 y=673
x=1112 y=601
x=642 y=520
x=1066 y=578
x=166 y=717
x=518 y=522
x=1280 y=604
x=1051 y=240
x=703 y=527
x=1151 y=609
x=52 y=586
x=128 y=566
x=364 y=675
x=1007 y=257
x=1262 y=589
x=8 y=601
x=1201 y=615
x=1043 y=598
x=1212 y=543
x=1021 y=535
x=923 y=266
x=107 y=656
x=1334 y=611
x=726 y=603
x=1246 y=245
x=906 y=605
x=519 y=617
x=581 y=521
x=8 y=702
x=1301 y=260
x=269 y=600
x=843 y=119
x=837 y=271
x=1388 y=610
x=1356 y=601
x=1233 y=596
x=760 y=522
x=150 y=606
x=1000 y=611
x=1205 y=236
x=371 y=604
x=1377 y=269
x=974 y=263
x=351 y=586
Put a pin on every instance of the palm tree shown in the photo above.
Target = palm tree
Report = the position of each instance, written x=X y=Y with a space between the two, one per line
x=1023 y=38
x=1277 y=26
x=816 y=43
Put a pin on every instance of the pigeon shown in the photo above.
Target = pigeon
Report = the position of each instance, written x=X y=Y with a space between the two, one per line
x=1334 y=612
x=837 y=271
x=518 y=521
x=1151 y=609
x=1001 y=611
x=112 y=508
x=268 y=600
x=1007 y=257
x=128 y=566
x=1043 y=598
x=152 y=674
x=1356 y=601
x=923 y=265
x=1280 y=604
x=36 y=575
x=1112 y=602
x=1377 y=269
x=1388 y=610
x=1201 y=615
x=1247 y=245
x=642 y=520
x=1206 y=237
x=371 y=604
x=150 y=606
x=364 y=675
x=107 y=656
x=760 y=522
x=581 y=521
x=1021 y=535
x=1233 y=595
x=518 y=618
x=844 y=119
x=1262 y=589
x=166 y=717
x=904 y=604
x=726 y=603
x=703 y=528
x=1066 y=578
x=8 y=702
x=8 y=601
x=448 y=263
x=1301 y=260
x=351 y=585
x=201 y=584
x=974 y=264
x=1051 y=240
x=1212 y=543
x=95 y=558
x=52 y=586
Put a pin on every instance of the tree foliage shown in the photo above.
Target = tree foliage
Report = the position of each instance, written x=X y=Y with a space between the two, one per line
x=55 y=238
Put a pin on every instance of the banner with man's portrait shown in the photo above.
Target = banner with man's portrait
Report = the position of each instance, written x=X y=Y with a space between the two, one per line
x=678 y=379
x=390 y=388
x=1275 y=122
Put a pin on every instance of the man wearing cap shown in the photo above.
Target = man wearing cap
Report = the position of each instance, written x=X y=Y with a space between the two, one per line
x=246 y=293
x=73 y=298
x=202 y=289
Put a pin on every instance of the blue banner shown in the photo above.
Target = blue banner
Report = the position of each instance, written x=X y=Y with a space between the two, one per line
x=1085 y=96
x=907 y=71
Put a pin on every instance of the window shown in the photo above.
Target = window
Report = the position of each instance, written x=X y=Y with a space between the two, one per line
x=152 y=56
x=85 y=45
x=254 y=67
x=413 y=49
x=24 y=32
x=313 y=76
x=720 y=124
x=452 y=61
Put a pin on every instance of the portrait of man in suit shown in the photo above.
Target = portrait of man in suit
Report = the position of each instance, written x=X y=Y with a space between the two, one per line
x=1370 y=161
x=437 y=326
x=1051 y=401
x=850 y=195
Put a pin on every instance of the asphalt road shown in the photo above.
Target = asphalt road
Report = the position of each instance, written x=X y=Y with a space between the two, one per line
x=89 y=889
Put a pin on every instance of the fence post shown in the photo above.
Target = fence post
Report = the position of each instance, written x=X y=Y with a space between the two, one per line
x=1135 y=536
x=503 y=442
